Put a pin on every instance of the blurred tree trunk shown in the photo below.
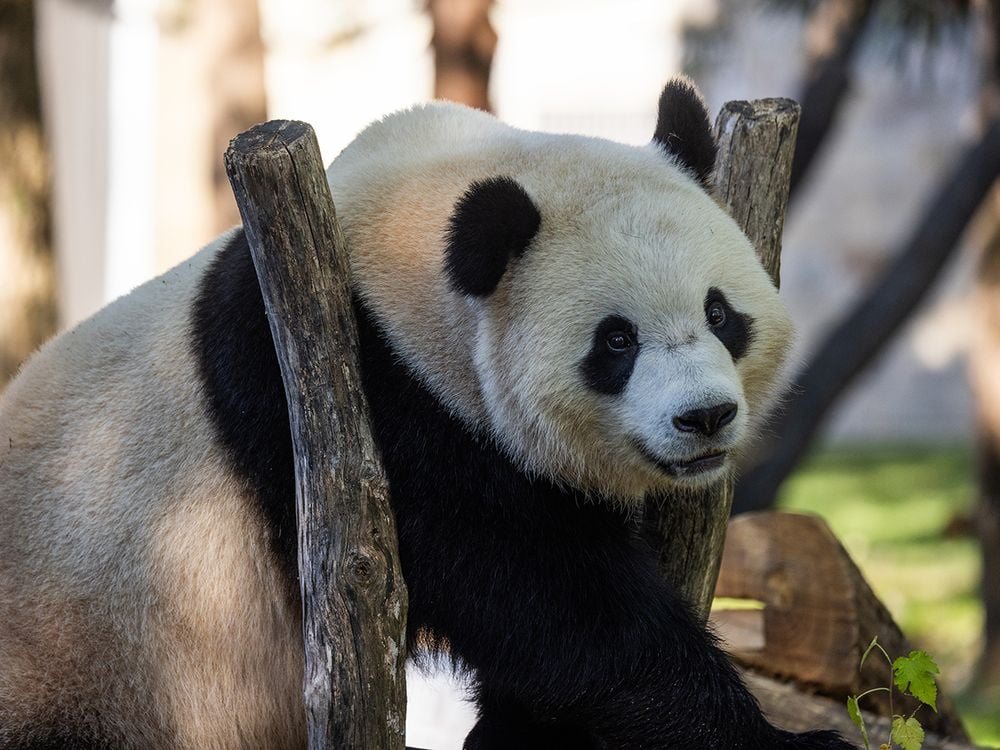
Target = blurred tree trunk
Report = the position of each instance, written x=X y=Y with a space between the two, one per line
x=860 y=336
x=832 y=36
x=212 y=87
x=463 y=44
x=985 y=376
x=984 y=371
x=27 y=272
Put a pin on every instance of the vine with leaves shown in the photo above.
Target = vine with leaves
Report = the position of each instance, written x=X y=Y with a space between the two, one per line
x=912 y=675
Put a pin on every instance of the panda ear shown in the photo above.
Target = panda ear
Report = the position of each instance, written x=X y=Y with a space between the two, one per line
x=684 y=129
x=494 y=221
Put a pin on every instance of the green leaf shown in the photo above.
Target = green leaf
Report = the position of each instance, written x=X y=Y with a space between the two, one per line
x=914 y=674
x=907 y=733
x=868 y=651
x=855 y=713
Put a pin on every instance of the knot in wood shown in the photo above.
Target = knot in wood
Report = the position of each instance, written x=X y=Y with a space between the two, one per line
x=362 y=567
x=779 y=588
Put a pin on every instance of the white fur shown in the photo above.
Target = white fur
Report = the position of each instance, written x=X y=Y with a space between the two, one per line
x=131 y=575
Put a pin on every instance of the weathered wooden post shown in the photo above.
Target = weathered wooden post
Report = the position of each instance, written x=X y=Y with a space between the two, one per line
x=752 y=173
x=353 y=596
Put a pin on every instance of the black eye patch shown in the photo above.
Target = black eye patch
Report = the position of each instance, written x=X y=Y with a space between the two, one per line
x=611 y=359
x=736 y=330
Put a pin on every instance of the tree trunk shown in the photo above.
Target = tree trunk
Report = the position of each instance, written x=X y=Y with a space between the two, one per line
x=832 y=38
x=463 y=44
x=859 y=337
x=988 y=474
x=211 y=87
x=756 y=142
x=984 y=371
x=353 y=596
x=27 y=280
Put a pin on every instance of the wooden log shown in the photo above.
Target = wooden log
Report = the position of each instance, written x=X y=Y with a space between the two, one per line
x=819 y=615
x=790 y=708
x=353 y=595
x=752 y=173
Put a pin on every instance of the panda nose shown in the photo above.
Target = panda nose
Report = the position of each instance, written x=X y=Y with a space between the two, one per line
x=707 y=421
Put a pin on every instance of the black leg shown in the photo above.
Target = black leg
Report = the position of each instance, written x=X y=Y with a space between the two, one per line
x=505 y=726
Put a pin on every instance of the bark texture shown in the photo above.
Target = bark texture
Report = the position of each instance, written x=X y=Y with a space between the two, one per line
x=353 y=595
x=756 y=143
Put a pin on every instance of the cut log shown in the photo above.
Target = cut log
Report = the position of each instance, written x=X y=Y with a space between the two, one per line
x=819 y=614
x=353 y=596
x=789 y=708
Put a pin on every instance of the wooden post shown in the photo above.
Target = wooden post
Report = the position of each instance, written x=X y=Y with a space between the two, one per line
x=353 y=596
x=752 y=173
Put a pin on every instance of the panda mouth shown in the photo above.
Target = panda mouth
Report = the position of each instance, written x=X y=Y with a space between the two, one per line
x=689 y=467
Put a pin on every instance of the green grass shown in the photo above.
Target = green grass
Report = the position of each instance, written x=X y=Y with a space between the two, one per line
x=891 y=506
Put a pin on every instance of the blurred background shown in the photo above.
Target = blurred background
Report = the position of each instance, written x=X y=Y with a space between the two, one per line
x=114 y=115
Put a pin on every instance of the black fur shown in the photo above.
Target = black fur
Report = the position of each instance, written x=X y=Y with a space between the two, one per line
x=737 y=332
x=239 y=368
x=551 y=598
x=684 y=129
x=604 y=370
x=494 y=221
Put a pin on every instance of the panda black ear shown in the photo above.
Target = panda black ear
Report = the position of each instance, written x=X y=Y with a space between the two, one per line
x=494 y=221
x=684 y=129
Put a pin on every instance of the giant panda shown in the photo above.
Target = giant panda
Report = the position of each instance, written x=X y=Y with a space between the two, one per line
x=552 y=328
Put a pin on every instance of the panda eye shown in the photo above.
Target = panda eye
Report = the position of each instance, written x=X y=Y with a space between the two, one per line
x=715 y=313
x=619 y=341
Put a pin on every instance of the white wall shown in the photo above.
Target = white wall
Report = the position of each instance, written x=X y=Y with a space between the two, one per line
x=98 y=97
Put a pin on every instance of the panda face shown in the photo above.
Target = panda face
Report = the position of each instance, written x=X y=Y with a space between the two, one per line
x=681 y=400
x=633 y=348
x=586 y=304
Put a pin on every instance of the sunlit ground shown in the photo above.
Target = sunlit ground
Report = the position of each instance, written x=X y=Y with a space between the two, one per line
x=892 y=508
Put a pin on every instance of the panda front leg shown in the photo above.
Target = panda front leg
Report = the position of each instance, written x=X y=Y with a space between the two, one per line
x=576 y=641
x=503 y=724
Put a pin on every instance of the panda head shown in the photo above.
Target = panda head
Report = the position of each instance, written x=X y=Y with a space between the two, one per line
x=627 y=339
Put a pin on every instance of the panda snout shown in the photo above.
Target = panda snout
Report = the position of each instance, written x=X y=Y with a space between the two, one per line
x=706 y=420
